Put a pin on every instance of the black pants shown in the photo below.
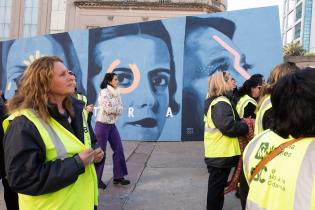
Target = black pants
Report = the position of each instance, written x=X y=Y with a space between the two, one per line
x=243 y=189
x=217 y=182
x=10 y=197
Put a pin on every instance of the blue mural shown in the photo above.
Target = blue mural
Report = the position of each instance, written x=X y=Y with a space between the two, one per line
x=242 y=42
x=162 y=66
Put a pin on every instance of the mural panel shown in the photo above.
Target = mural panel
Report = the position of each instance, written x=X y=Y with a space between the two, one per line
x=162 y=66
x=242 y=42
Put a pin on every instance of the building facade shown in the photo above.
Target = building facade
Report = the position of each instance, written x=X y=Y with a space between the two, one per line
x=298 y=23
x=24 y=18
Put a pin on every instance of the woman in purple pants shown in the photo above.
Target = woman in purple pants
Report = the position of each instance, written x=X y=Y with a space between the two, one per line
x=110 y=108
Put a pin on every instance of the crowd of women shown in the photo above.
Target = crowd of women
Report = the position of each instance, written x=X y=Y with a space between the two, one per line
x=278 y=162
x=53 y=159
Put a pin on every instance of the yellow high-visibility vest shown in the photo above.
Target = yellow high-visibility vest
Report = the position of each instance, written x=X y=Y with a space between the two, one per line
x=287 y=181
x=242 y=103
x=60 y=144
x=216 y=144
x=81 y=97
x=265 y=106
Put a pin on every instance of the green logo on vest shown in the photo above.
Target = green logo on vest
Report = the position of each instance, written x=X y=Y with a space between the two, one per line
x=262 y=151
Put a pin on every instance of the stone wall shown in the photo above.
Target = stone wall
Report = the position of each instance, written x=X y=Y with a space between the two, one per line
x=301 y=61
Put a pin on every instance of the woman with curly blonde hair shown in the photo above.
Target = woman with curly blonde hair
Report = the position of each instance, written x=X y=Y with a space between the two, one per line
x=48 y=144
x=222 y=129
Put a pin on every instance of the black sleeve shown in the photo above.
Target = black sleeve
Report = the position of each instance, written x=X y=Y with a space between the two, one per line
x=223 y=119
x=25 y=155
x=92 y=134
x=2 y=169
x=267 y=119
x=3 y=108
x=249 y=111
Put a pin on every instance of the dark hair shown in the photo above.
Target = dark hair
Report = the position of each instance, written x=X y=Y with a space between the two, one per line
x=107 y=79
x=293 y=102
x=252 y=82
x=152 y=28
x=223 y=25
x=258 y=77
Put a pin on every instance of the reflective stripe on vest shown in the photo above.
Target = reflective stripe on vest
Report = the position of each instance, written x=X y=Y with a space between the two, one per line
x=85 y=115
x=59 y=142
x=265 y=106
x=87 y=140
x=211 y=130
x=216 y=144
x=292 y=188
x=242 y=103
x=253 y=206
x=60 y=148
x=303 y=197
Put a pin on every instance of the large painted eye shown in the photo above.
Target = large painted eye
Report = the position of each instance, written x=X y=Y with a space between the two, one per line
x=129 y=78
x=159 y=79
x=221 y=64
x=125 y=77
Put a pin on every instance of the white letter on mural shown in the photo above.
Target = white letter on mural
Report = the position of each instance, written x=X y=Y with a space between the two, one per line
x=130 y=112
x=169 y=112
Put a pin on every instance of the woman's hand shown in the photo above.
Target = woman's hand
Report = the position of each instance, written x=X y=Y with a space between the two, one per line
x=98 y=155
x=89 y=108
x=87 y=156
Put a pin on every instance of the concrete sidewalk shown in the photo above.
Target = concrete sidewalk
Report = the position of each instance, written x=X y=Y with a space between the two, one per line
x=163 y=175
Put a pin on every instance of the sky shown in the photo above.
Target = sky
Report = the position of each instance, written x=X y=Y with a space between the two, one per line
x=246 y=4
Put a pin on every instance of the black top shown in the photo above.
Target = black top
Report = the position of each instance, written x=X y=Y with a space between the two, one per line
x=267 y=119
x=3 y=115
x=249 y=111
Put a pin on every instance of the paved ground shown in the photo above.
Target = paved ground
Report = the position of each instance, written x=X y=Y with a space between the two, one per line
x=164 y=176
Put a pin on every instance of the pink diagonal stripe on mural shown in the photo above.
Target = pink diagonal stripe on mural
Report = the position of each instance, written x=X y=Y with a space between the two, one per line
x=237 y=61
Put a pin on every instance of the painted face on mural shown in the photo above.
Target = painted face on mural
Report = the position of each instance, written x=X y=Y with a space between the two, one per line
x=22 y=52
x=142 y=65
x=211 y=50
x=206 y=51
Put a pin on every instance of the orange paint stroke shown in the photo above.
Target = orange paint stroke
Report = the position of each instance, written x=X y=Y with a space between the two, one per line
x=237 y=61
x=136 y=76
x=136 y=79
x=112 y=66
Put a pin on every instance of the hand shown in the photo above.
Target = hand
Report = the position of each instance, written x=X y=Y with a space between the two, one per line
x=89 y=108
x=87 y=156
x=98 y=155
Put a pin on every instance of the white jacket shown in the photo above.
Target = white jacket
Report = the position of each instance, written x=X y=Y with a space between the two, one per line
x=110 y=105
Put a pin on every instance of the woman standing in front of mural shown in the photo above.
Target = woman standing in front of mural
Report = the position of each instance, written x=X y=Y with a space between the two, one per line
x=142 y=57
x=249 y=94
x=110 y=108
x=222 y=129
x=246 y=108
